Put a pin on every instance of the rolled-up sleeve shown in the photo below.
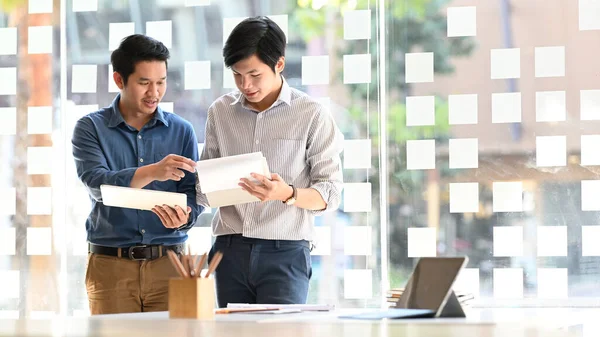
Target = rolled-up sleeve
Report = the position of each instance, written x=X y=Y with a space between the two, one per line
x=90 y=161
x=187 y=184
x=325 y=143
x=210 y=151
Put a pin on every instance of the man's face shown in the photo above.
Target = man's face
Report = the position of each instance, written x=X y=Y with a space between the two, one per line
x=145 y=88
x=255 y=79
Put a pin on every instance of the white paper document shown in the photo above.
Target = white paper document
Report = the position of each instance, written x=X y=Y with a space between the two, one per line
x=301 y=307
x=136 y=198
x=219 y=178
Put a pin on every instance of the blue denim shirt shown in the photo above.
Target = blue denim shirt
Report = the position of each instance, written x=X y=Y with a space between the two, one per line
x=108 y=151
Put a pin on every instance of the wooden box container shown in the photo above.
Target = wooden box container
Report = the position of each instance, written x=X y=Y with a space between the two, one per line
x=192 y=298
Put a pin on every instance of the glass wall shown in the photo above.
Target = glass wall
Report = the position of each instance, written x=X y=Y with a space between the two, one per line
x=469 y=130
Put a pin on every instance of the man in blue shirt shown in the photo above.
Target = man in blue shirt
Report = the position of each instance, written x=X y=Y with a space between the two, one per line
x=134 y=143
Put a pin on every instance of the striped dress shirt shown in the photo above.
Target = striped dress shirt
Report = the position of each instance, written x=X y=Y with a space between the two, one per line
x=300 y=141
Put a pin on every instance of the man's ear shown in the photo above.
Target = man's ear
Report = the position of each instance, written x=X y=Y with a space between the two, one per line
x=118 y=80
x=280 y=65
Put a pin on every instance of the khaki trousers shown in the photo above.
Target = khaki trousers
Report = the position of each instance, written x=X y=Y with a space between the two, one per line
x=119 y=285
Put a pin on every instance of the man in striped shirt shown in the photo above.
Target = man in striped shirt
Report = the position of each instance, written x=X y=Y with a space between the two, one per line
x=266 y=245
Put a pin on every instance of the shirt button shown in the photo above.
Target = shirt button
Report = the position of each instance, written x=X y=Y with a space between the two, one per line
x=260 y=115
x=139 y=136
x=141 y=160
x=143 y=231
x=257 y=141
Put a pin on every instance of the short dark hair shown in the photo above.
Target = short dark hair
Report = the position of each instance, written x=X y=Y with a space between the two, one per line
x=258 y=35
x=137 y=48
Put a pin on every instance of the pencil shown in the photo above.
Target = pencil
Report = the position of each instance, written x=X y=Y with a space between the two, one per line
x=214 y=263
x=200 y=264
x=178 y=266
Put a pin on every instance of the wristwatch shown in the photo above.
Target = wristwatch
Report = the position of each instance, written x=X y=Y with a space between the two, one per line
x=292 y=199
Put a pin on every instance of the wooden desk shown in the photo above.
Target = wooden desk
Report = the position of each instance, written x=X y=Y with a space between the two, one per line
x=480 y=323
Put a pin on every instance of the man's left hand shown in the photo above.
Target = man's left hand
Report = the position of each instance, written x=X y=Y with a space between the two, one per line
x=273 y=188
x=172 y=217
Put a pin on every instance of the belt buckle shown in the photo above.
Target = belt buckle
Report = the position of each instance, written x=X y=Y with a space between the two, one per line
x=130 y=253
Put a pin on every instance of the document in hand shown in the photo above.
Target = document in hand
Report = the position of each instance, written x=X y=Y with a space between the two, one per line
x=137 y=198
x=219 y=178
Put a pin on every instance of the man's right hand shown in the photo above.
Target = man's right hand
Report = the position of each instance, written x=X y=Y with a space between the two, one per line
x=171 y=168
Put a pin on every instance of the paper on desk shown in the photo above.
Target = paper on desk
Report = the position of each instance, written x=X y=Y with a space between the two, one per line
x=301 y=307
x=137 y=198
x=219 y=178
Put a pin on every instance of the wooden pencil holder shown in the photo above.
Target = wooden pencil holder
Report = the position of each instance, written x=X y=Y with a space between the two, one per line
x=192 y=298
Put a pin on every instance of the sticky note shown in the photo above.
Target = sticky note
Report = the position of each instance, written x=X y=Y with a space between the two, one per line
x=39 y=241
x=39 y=120
x=197 y=75
x=590 y=150
x=422 y=242
x=322 y=240
x=590 y=190
x=117 y=31
x=315 y=70
x=462 y=21
x=39 y=40
x=200 y=239
x=357 y=68
x=357 y=24
x=420 y=110
x=420 y=154
x=167 y=106
x=357 y=240
x=463 y=153
x=358 y=283
x=419 y=67
x=589 y=104
x=505 y=63
x=589 y=14
x=468 y=281
x=8 y=36
x=590 y=236
x=228 y=80
x=462 y=109
x=508 y=241
x=8 y=241
x=40 y=160
x=85 y=5
x=464 y=197
x=192 y=3
x=552 y=283
x=507 y=196
x=8 y=121
x=39 y=200
x=161 y=31
x=508 y=283
x=10 y=284
x=550 y=61
x=357 y=154
x=550 y=106
x=84 y=78
x=40 y=6
x=357 y=197
x=552 y=240
x=8 y=85
x=506 y=107
x=8 y=198
x=551 y=151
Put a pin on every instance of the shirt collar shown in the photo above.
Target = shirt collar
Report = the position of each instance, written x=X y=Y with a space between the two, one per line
x=116 y=117
x=285 y=95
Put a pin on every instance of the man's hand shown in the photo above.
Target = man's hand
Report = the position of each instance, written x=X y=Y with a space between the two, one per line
x=267 y=189
x=172 y=217
x=171 y=168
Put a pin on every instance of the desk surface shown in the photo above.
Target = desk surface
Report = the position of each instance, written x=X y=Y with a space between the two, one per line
x=488 y=323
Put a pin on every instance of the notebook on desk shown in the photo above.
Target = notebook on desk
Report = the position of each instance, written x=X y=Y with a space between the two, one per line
x=428 y=293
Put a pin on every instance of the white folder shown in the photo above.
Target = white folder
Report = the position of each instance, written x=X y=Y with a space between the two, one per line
x=137 y=198
x=219 y=178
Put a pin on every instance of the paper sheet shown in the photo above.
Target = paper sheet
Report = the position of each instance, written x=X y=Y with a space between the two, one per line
x=136 y=198
x=219 y=178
